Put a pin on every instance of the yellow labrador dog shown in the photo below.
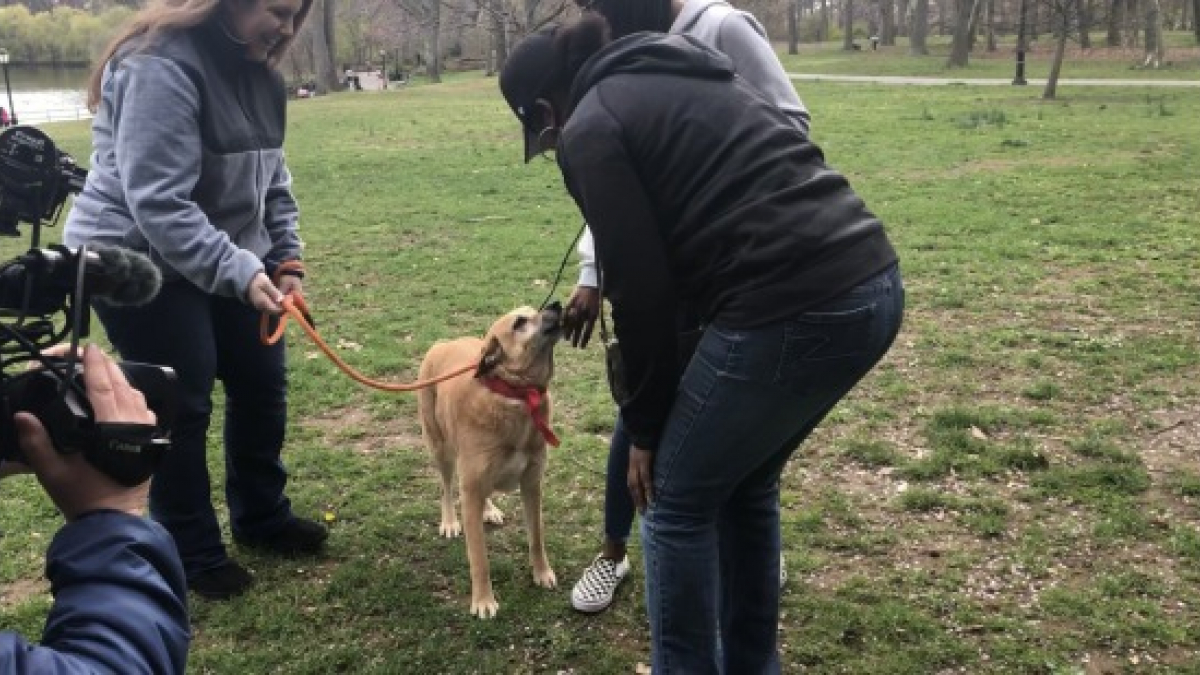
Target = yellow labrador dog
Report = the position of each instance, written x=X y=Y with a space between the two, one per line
x=492 y=430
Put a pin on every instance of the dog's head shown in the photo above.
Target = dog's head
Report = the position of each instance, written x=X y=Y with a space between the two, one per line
x=519 y=347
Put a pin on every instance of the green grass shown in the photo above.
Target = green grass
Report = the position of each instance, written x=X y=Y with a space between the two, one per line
x=1013 y=490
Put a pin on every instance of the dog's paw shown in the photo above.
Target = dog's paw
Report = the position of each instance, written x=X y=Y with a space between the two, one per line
x=485 y=608
x=493 y=515
x=451 y=530
x=544 y=577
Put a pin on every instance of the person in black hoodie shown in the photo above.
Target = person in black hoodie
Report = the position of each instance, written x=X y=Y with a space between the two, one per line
x=699 y=191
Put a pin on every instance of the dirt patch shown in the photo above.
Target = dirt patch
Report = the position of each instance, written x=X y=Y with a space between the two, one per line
x=23 y=590
x=360 y=431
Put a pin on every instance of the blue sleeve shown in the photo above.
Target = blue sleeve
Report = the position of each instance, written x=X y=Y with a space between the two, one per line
x=282 y=216
x=120 y=602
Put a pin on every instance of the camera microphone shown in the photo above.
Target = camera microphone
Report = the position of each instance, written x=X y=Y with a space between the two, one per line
x=117 y=275
x=121 y=276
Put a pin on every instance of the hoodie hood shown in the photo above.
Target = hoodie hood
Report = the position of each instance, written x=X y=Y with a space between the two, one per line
x=646 y=53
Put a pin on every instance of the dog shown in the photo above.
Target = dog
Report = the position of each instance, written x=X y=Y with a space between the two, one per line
x=491 y=430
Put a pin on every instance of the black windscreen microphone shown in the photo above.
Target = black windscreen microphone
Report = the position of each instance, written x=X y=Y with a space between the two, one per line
x=38 y=281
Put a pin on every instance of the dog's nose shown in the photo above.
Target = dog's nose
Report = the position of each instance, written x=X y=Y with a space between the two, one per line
x=555 y=307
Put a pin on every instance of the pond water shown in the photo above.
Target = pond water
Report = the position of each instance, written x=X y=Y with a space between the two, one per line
x=46 y=94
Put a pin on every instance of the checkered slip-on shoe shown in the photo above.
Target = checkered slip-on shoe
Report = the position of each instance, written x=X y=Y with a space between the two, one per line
x=594 y=590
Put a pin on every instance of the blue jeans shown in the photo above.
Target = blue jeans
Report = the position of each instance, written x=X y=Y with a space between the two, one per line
x=710 y=538
x=205 y=337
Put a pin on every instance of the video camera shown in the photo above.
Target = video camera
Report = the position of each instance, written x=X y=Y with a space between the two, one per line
x=45 y=300
x=35 y=178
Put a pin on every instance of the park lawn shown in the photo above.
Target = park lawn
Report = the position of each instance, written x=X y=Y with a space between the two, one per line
x=1182 y=60
x=1013 y=490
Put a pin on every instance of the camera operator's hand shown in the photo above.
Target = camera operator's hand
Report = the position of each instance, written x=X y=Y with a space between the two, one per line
x=262 y=294
x=579 y=320
x=12 y=468
x=74 y=485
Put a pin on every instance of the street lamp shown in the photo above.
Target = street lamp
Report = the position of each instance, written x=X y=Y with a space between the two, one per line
x=12 y=112
x=1019 y=79
x=383 y=57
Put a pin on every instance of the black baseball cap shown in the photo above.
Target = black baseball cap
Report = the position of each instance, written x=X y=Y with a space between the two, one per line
x=529 y=69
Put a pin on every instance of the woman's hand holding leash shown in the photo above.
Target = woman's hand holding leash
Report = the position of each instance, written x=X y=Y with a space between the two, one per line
x=264 y=296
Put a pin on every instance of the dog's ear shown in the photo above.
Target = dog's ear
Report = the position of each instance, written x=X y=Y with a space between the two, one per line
x=493 y=355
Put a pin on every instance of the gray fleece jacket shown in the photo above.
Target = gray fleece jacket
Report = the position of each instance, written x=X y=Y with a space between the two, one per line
x=187 y=163
x=742 y=38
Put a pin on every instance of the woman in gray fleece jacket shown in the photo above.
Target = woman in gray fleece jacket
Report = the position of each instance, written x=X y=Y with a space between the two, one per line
x=740 y=36
x=187 y=167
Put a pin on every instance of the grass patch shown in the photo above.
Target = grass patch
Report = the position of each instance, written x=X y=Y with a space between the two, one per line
x=992 y=499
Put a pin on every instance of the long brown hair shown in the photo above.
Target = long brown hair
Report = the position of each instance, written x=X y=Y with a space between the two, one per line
x=168 y=15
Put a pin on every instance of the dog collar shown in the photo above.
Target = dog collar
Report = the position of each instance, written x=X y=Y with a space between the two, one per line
x=532 y=398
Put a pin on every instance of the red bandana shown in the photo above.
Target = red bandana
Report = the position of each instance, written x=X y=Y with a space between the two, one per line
x=531 y=397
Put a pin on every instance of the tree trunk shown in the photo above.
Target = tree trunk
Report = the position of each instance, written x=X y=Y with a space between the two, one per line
x=1154 y=35
x=1085 y=24
x=323 y=49
x=433 y=42
x=1116 y=11
x=793 y=20
x=887 y=22
x=1060 y=48
x=903 y=19
x=919 y=29
x=1196 y=18
x=823 y=30
x=498 y=37
x=990 y=26
x=848 y=25
x=960 y=46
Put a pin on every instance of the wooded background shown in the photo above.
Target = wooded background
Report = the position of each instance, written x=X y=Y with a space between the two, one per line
x=428 y=37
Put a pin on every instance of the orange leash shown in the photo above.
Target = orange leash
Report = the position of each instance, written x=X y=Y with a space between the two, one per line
x=295 y=307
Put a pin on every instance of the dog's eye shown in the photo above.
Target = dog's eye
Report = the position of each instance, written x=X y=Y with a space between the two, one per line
x=520 y=322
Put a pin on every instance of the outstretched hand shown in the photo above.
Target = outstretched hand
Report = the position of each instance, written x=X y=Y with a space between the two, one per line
x=579 y=319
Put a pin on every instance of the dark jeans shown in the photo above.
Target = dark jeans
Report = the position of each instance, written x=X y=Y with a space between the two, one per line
x=710 y=538
x=205 y=337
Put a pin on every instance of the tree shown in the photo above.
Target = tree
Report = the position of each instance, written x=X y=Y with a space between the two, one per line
x=960 y=46
x=1154 y=35
x=323 y=35
x=793 y=22
x=848 y=36
x=887 y=22
x=1063 y=15
x=919 y=29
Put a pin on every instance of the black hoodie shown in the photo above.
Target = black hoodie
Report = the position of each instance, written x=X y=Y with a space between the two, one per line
x=699 y=191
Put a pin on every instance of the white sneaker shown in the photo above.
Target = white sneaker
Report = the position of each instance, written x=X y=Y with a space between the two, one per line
x=782 y=571
x=594 y=590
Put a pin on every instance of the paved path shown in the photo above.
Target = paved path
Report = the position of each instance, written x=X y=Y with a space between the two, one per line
x=990 y=81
